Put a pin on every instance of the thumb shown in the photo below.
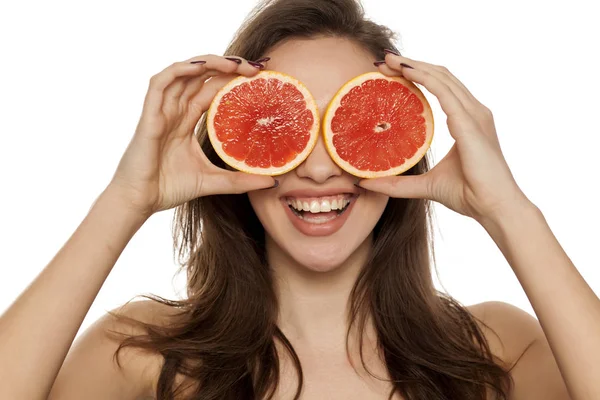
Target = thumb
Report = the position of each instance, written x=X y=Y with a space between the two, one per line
x=407 y=186
x=235 y=182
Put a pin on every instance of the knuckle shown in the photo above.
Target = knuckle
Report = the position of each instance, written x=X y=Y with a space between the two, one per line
x=154 y=80
x=486 y=111
x=428 y=79
x=441 y=68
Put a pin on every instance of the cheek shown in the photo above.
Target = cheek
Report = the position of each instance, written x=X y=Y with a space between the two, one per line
x=266 y=206
x=257 y=201
x=373 y=206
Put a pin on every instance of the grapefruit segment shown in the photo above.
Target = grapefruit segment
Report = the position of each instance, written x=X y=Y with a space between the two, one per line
x=266 y=124
x=377 y=125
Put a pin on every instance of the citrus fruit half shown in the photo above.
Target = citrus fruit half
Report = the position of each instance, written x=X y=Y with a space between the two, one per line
x=378 y=125
x=266 y=124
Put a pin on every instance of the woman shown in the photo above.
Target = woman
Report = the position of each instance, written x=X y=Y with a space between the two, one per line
x=275 y=313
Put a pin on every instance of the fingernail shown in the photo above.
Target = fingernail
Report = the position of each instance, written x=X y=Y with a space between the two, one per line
x=198 y=62
x=262 y=60
x=406 y=66
x=236 y=60
x=256 y=64
x=378 y=63
x=272 y=187
x=391 y=52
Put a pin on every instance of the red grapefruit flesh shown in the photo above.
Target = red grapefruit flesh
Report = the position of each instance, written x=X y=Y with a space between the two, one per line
x=378 y=125
x=266 y=124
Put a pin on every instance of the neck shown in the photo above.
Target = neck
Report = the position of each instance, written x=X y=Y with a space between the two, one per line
x=313 y=305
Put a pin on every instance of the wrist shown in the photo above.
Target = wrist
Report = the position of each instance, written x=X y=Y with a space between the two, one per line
x=518 y=214
x=113 y=199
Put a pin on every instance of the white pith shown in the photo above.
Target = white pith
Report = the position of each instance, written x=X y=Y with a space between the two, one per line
x=330 y=112
x=316 y=205
x=241 y=165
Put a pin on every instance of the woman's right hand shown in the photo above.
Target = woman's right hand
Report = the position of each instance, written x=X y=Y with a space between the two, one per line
x=164 y=165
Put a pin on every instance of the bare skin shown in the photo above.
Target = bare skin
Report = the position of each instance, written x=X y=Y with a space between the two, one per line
x=37 y=331
x=89 y=370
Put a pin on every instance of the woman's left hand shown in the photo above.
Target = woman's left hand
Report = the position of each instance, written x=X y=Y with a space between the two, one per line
x=473 y=179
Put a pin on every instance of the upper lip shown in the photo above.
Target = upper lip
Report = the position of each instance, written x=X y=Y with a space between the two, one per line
x=319 y=192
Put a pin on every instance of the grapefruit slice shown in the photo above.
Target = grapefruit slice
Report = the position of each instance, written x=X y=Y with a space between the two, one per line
x=266 y=124
x=378 y=125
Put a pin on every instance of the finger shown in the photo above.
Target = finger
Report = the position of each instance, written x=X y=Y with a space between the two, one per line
x=394 y=62
x=198 y=96
x=194 y=85
x=386 y=68
x=234 y=182
x=159 y=82
x=216 y=65
x=210 y=65
x=407 y=187
x=429 y=79
x=460 y=119
x=479 y=113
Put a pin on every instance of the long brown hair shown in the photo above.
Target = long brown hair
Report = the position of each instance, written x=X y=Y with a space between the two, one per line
x=224 y=337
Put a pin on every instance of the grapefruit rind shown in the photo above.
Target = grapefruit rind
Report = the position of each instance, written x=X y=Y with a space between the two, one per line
x=311 y=104
x=334 y=104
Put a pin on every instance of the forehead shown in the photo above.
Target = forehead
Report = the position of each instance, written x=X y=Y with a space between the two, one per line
x=323 y=64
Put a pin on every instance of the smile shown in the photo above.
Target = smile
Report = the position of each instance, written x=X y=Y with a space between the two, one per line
x=316 y=205
x=319 y=216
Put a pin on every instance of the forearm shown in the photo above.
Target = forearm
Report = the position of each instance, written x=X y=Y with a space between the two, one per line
x=36 y=332
x=567 y=308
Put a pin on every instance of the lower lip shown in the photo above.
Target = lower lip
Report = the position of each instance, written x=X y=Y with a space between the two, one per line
x=325 y=229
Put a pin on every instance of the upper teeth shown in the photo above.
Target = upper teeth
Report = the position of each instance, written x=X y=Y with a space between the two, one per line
x=319 y=204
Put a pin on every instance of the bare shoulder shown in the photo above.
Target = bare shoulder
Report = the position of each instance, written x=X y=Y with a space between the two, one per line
x=90 y=370
x=517 y=338
x=508 y=329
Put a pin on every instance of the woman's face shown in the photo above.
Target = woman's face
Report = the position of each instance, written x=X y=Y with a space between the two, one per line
x=323 y=240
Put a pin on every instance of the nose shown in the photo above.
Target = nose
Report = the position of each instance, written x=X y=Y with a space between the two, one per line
x=318 y=166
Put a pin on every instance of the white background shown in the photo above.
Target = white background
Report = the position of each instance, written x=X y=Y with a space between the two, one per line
x=73 y=77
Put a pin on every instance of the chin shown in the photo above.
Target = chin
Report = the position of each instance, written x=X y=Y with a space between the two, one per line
x=348 y=246
x=322 y=257
x=318 y=229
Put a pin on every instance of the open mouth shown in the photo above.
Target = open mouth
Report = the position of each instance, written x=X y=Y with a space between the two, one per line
x=320 y=209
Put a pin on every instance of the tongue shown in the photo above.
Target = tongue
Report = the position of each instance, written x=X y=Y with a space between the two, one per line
x=308 y=215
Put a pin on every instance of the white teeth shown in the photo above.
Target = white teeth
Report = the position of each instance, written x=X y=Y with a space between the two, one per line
x=305 y=206
x=315 y=207
x=319 y=205
x=334 y=205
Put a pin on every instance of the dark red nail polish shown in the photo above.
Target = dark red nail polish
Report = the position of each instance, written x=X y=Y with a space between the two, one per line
x=262 y=60
x=272 y=187
x=236 y=60
x=406 y=66
x=388 y=51
x=256 y=64
x=378 y=63
x=198 y=62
